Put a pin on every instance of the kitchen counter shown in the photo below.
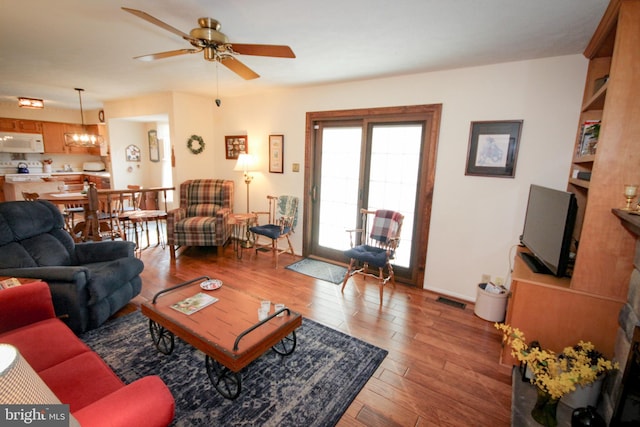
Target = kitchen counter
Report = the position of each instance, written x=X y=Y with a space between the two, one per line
x=61 y=173
x=13 y=190
x=98 y=174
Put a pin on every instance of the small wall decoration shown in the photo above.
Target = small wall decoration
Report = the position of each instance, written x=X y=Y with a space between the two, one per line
x=276 y=153
x=493 y=148
x=235 y=145
x=154 y=147
x=195 y=144
x=133 y=153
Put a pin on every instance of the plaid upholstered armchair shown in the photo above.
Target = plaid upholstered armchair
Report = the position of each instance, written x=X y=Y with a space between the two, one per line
x=202 y=218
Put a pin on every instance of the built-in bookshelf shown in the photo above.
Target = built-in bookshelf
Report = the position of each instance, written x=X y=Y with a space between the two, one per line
x=606 y=156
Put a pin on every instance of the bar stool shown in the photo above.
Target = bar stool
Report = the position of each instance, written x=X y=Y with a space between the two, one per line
x=142 y=218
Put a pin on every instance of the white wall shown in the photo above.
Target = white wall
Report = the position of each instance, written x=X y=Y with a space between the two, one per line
x=475 y=220
x=129 y=120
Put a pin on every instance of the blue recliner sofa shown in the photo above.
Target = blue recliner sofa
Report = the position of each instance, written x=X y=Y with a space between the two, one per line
x=89 y=281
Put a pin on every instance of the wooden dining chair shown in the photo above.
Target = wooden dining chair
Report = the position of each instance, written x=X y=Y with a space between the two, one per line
x=281 y=220
x=101 y=219
x=374 y=246
x=129 y=205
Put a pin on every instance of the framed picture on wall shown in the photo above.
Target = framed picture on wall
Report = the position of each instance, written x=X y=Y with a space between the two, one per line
x=235 y=145
x=133 y=153
x=154 y=146
x=493 y=148
x=276 y=153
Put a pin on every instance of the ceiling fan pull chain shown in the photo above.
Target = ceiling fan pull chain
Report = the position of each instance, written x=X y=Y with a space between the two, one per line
x=218 y=101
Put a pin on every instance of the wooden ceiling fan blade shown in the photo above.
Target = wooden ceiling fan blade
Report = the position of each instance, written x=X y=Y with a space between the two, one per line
x=159 y=23
x=277 y=51
x=168 y=54
x=239 y=68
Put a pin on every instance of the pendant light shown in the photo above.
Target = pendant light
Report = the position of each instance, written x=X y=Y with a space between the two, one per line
x=85 y=138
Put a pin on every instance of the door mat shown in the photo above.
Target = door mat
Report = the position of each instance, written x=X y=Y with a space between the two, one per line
x=313 y=386
x=319 y=270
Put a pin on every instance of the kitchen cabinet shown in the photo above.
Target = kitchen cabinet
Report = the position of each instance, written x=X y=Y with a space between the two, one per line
x=70 y=179
x=53 y=136
x=101 y=182
x=75 y=128
x=17 y=125
x=2 y=199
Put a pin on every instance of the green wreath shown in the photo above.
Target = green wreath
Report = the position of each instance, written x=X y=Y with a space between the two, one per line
x=200 y=146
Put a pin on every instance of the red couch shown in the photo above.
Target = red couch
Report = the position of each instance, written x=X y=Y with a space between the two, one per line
x=75 y=374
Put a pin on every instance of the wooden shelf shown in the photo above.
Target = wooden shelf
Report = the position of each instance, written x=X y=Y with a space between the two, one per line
x=630 y=221
x=579 y=182
x=590 y=158
x=596 y=102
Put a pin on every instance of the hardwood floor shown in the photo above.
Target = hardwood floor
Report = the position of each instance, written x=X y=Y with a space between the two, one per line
x=442 y=368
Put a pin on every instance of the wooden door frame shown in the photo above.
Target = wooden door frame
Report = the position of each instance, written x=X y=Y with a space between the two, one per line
x=431 y=114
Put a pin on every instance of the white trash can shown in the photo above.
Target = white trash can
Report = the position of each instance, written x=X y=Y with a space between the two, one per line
x=491 y=306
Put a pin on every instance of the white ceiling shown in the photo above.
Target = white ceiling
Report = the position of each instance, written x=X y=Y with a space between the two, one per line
x=48 y=48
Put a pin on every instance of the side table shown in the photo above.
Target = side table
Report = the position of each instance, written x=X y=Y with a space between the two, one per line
x=241 y=223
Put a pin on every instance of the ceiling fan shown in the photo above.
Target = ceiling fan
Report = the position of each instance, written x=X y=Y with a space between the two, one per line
x=207 y=38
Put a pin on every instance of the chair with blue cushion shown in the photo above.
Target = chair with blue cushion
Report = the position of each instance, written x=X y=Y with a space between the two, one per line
x=374 y=245
x=282 y=219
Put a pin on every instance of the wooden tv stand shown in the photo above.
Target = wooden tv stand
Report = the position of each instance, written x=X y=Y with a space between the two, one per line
x=546 y=309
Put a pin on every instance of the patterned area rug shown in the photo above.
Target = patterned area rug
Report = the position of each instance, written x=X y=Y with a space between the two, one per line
x=319 y=269
x=311 y=387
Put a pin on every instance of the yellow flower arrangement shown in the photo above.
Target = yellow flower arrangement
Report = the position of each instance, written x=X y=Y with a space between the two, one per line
x=555 y=374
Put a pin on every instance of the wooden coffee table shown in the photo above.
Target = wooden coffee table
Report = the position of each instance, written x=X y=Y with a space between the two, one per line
x=227 y=332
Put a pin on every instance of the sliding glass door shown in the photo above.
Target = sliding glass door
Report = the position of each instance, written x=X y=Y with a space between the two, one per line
x=365 y=164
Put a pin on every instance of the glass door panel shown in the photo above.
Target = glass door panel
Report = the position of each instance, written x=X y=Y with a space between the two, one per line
x=393 y=177
x=380 y=173
x=339 y=185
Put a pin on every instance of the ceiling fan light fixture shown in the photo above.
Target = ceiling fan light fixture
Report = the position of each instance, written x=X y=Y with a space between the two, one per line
x=30 y=103
x=216 y=46
x=83 y=139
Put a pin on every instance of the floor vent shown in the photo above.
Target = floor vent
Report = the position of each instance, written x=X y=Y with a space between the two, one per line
x=452 y=303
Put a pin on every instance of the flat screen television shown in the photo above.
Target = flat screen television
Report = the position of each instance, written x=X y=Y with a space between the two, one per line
x=548 y=229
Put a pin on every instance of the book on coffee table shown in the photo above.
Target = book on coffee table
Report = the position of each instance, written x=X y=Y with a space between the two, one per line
x=192 y=304
x=9 y=283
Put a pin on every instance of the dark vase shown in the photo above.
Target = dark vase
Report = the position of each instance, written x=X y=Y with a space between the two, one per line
x=544 y=411
x=583 y=417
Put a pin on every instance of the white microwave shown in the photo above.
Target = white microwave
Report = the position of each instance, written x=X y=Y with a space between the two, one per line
x=15 y=142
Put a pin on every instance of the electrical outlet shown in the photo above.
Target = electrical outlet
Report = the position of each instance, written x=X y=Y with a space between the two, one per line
x=499 y=281
x=486 y=278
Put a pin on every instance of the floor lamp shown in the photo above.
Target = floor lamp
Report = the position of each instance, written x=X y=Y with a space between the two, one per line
x=245 y=164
